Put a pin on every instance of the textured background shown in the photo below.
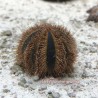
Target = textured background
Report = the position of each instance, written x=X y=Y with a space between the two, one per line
x=18 y=15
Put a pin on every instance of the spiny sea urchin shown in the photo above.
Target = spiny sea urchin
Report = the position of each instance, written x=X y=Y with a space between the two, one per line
x=93 y=14
x=47 y=50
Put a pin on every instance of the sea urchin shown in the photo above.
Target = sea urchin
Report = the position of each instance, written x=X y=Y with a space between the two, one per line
x=47 y=50
x=57 y=0
x=93 y=14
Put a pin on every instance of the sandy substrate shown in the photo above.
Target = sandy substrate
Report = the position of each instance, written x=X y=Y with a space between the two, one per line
x=18 y=15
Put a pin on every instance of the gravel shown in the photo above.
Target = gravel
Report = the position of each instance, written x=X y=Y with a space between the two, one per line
x=16 y=17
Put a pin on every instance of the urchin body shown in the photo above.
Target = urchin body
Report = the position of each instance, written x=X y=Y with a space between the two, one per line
x=47 y=50
x=93 y=14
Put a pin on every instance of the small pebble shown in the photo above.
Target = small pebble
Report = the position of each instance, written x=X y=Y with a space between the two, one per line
x=35 y=78
x=43 y=88
x=15 y=69
x=21 y=84
x=31 y=88
x=72 y=95
x=6 y=33
x=23 y=80
x=6 y=90
x=2 y=96
x=50 y=95
x=88 y=73
x=53 y=95
x=4 y=86
x=56 y=94
x=93 y=50
x=29 y=82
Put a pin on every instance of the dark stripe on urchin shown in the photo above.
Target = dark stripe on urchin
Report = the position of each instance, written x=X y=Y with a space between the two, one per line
x=50 y=52
x=27 y=41
x=33 y=56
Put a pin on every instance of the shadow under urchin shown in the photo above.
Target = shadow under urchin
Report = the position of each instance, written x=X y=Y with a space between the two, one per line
x=46 y=50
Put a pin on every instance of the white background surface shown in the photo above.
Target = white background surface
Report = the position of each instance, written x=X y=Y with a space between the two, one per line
x=18 y=15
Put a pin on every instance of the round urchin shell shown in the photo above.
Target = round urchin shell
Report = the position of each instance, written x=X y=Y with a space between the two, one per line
x=47 y=50
x=93 y=14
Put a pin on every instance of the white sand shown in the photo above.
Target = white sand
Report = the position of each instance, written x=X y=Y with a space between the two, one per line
x=18 y=15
